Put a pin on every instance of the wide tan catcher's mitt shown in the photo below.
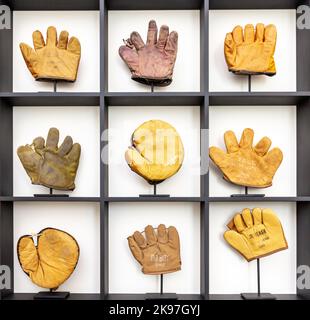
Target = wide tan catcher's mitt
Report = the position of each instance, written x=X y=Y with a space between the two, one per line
x=52 y=261
x=55 y=59
x=244 y=164
x=251 y=52
x=157 y=151
x=153 y=62
x=157 y=253
x=48 y=165
x=256 y=234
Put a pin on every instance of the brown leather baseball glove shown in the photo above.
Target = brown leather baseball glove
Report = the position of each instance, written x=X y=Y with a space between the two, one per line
x=153 y=62
x=48 y=165
x=53 y=60
x=244 y=164
x=52 y=261
x=157 y=253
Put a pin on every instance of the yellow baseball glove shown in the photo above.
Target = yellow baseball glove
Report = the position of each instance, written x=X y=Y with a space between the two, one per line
x=257 y=234
x=157 y=151
x=52 y=261
x=251 y=52
x=53 y=60
x=244 y=164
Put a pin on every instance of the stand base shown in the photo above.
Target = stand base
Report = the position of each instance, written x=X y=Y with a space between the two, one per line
x=41 y=195
x=154 y=195
x=46 y=295
x=254 y=195
x=256 y=296
x=161 y=296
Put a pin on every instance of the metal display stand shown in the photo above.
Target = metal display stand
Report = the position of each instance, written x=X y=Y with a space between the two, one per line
x=161 y=295
x=51 y=295
x=258 y=295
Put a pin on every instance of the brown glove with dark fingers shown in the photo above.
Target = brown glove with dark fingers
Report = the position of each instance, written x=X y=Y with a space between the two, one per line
x=257 y=234
x=251 y=52
x=244 y=164
x=153 y=62
x=157 y=151
x=52 y=261
x=48 y=165
x=53 y=60
x=157 y=253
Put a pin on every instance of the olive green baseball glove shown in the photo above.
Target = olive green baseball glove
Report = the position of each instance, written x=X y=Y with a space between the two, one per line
x=48 y=165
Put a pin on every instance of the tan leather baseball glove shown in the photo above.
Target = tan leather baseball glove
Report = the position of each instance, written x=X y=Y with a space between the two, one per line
x=153 y=62
x=244 y=164
x=52 y=261
x=157 y=151
x=55 y=59
x=157 y=253
x=257 y=234
x=48 y=165
x=251 y=52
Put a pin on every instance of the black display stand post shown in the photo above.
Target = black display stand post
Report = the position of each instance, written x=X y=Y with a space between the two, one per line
x=258 y=295
x=161 y=295
x=155 y=184
x=51 y=295
x=51 y=194
x=246 y=191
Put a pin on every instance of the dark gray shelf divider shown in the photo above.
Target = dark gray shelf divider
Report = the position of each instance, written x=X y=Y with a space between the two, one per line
x=105 y=99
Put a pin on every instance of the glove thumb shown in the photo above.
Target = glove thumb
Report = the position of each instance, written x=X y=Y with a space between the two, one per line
x=27 y=254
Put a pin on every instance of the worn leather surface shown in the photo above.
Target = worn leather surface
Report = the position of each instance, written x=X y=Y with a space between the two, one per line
x=153 y=62
x=244 y=164
x=157 y=252
x=52 y=261
x=157 y=151
x=49 y=165
x=251 y=51
x=256 y=234
x=57 y=59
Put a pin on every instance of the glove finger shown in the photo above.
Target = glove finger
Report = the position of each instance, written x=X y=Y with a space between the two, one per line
x=247 y=217
x=162 y=234
x=150 y=235
x=27 y=52
x=63 y=40
x=262 y=146
x=274 y=158
x=231 y=141
x=137 y=40
x=39 y=144
x=173 y=236
x=229 y=49
x=237 y=241
x=130 y=57
x=135 y=249
x=247 y=138
x=257 y=215
x=27 y=254
x=172 y=43
x=51 y=37
x=270 y=34
x=270 y=219
x=140 y=240
x=152 y=33
x=239 y=223
x=66 y=146
x=163 y=37
x=238 y=35
x=260 y=29
x=74 y=154
x=217 y=155
x=38 y=40
x=249 y=33
x=74 y=46
x=52 y=139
